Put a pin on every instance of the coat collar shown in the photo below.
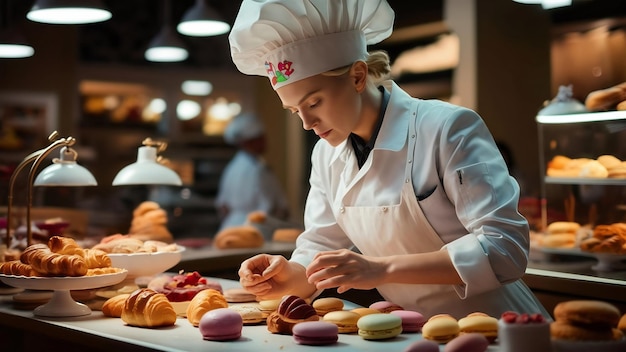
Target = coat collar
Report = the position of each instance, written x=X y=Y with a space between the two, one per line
x=393 y=132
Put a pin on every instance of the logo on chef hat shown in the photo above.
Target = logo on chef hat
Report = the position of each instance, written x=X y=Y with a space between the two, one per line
x=280 y=72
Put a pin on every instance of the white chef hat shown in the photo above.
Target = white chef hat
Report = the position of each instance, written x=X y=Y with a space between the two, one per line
x=243 y=127
x=289 y=40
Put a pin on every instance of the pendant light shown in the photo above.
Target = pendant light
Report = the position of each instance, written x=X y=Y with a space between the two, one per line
x=12 y=43
x=201 y=20
x=68 y=12
x=166 y=46
x=147 y=170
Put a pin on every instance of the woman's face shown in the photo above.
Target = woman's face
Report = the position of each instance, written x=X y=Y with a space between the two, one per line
x=328 y=105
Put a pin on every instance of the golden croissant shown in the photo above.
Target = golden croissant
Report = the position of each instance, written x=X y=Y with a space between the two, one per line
x=96 y=258
x=203 y=302
x=47 y=263
x=64 y=245
x=148 y=308
x=16 y=267
x=113 y=306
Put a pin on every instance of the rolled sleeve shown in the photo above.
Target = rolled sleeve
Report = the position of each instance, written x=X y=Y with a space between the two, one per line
x=473 y=266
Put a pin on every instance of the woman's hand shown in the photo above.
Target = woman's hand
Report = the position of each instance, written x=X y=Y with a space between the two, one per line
x=273 y=276
x=345 y=269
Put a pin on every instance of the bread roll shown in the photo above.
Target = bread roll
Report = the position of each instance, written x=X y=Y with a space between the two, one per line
x=286 y=235
x=147 y=308
x=114 y=306
x=239 y=237
x=606 y=99
x=144 y=207
x=608 y=161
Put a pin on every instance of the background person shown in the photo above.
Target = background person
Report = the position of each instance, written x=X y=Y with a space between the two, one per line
x=247 y=184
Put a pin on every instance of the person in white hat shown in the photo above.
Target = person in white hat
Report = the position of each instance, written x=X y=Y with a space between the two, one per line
x=417 y=186
x=247 y=184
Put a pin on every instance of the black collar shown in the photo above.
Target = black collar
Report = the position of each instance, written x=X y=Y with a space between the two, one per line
x=362 y=148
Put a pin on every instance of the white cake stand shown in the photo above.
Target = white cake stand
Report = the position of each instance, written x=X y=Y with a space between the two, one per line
x=62 y=304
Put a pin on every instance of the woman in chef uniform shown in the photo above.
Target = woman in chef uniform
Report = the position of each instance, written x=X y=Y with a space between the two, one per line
x=247 y=184
x=417 y=186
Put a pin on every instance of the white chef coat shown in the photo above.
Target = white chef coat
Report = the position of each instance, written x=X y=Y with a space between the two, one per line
x=463 y=190
x=247 y=185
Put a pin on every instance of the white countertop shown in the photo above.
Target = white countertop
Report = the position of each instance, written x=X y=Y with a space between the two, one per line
x=95 y=328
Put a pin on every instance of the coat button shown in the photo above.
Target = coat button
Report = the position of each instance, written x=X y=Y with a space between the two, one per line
x=385 y=209
x=342 y=209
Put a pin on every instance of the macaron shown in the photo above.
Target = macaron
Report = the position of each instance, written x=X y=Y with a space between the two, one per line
x=238 y=295
x=327 y=304
x=479 y=323
x=441 y=328
x=411 y=321
x=385 y=306
x=250 y=314
x=221 y=324
x=268 y=306
x=315 y=333
x=379 y=326
x=345 y=320
x=422 y=346
x=363 y=311
x=472 y=342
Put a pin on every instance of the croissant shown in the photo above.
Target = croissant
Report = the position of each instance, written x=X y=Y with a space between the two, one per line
x=16 y=267
x=239 y=237
x=96 y=258
x=147 y=308
x=64 y=245
x=203 y=302
x=47 y=263
x=113 y=306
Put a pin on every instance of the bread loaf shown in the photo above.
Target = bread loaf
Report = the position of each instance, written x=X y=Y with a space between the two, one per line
x=239 y=237
x=147 y=308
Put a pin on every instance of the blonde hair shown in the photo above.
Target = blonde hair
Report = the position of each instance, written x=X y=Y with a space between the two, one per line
x=378 y=67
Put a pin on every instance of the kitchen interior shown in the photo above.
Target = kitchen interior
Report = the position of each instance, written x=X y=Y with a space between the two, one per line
x=505 y=59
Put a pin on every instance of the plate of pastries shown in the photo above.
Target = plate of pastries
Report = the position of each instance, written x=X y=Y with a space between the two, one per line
x=61 y=264
x=604 y=242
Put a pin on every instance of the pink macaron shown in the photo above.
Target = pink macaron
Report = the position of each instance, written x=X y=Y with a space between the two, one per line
x=315 y=333
x=472 y=342
x=385 y=306
x=422 y=346
x=411 y=321
x=221 y=324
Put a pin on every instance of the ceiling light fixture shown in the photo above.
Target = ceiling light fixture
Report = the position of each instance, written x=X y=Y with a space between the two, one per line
x=201 y=20
x=68 y=12
x=13 y=46
x=148 y=170
x=546 y=4
x=12 y=43
x=166 y=46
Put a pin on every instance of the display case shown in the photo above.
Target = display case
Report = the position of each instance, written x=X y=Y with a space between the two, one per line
x=580 y=184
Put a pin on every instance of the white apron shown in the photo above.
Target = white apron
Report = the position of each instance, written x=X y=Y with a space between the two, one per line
x=404 y=229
